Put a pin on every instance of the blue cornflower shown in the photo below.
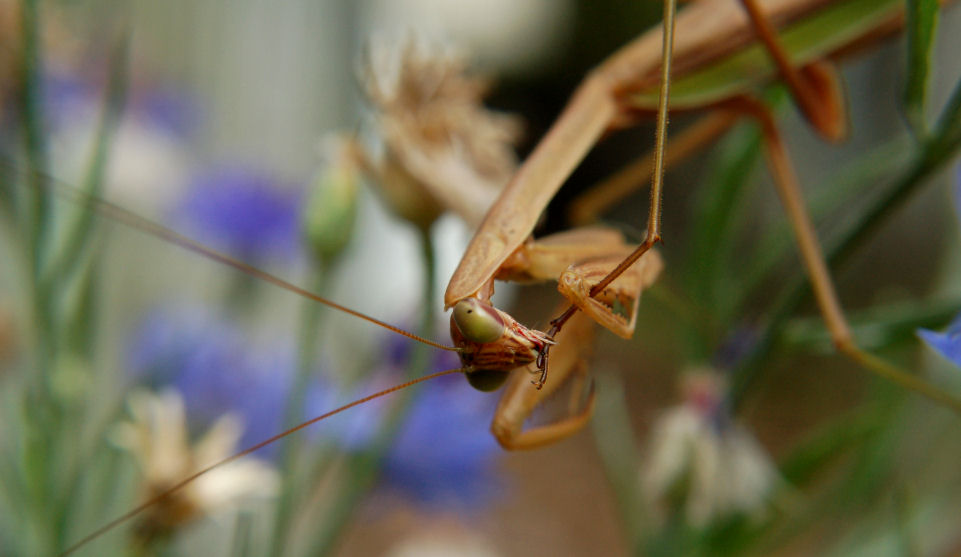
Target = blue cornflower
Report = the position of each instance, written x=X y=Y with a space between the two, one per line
x=244 y=211
x=67 y=96
x=948 y=343
x=171 y=110
x=445 y=454
x=217 y=369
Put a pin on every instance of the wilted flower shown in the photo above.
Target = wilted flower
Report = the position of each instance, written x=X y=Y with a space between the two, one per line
x=702 y=464
x=244 y=211
x=157 y=437
x=442 y=148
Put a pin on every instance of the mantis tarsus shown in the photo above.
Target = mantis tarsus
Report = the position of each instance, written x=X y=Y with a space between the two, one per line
x=595 y=110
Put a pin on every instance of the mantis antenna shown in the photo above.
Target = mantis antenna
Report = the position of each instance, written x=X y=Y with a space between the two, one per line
x=157 y=230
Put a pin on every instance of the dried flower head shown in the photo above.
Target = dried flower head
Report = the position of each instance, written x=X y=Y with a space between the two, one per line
x=157 y=437
x=702 y=464
x=442 y=148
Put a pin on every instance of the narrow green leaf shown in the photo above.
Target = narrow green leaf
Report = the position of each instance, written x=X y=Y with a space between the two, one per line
x=946 y=138
x=922 y=23
x=616 y=446
x=77 y=236
x=875 y=327
x=712 y=237
x=833 y=205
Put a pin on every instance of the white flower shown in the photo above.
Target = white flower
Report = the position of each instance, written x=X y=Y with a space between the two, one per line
x=701 y=463
x=157 y=438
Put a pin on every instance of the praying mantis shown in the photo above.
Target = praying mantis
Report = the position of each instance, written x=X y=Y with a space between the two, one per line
x=595 y=110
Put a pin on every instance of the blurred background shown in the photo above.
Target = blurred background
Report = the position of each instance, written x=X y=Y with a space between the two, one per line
x=726 y=426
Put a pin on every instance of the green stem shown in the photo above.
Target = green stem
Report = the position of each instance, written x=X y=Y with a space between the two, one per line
x=79 y=234
x=33 y=127
x=43 y=418
x=308 y=333
x=935 y=154
x=616 y=445
x=363 y=467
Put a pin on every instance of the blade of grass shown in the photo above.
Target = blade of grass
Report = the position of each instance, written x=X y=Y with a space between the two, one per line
x=921 y=26
x=874 y=328
x=619 y=454
x=78 y=237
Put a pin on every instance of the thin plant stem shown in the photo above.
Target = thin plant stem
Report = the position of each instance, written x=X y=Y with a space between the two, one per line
x=311 y=320
x=363 y=467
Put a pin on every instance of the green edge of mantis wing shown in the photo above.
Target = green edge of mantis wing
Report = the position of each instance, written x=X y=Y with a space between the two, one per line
x=814 y=37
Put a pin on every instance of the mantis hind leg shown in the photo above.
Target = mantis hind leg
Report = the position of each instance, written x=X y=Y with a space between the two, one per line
x=789 y=191
x=816 y=86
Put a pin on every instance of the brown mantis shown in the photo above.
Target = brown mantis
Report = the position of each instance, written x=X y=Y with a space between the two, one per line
x=597 y=107
x=603 y=102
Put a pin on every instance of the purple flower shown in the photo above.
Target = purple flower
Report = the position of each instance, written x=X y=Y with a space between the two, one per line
x=948 y=343
x=171 y=110
x=245 y=212
x=66 y=96
x=216 y=368
x=445 y=454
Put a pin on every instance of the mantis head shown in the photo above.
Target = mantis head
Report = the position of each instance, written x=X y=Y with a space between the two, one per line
x=479 y=323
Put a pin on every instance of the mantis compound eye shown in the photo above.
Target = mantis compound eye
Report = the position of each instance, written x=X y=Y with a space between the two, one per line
x=477 y=321
x=487 y=379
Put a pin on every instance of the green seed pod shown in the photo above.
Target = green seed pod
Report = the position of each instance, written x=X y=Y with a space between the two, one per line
x=331 y=208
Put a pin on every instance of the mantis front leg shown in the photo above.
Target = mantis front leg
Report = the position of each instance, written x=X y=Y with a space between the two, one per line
x=520 y=397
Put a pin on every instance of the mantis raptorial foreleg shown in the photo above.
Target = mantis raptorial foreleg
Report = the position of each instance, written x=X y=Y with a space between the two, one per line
x=581 y=258
x=520 y=398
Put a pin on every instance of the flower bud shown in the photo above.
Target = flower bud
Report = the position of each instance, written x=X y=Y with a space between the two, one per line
x=331 y=209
